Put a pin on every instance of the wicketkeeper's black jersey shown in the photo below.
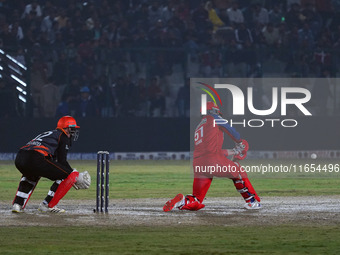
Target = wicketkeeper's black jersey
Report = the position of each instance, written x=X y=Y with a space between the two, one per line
x=54 y=144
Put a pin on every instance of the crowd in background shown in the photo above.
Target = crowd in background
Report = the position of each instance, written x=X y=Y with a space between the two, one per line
x=112 y=58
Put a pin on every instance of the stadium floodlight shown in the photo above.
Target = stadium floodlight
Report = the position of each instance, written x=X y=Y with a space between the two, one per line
x=21 y=90
x=22 y=98
x=17 y=62
x=18 y=80
x=2 y=52
x=15 y=70
x=1 y=68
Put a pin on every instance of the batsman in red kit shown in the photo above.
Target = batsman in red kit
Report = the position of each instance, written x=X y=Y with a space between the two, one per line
x=210 y=160
x=46 y=156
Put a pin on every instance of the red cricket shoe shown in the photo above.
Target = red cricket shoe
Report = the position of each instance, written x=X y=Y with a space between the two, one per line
x=176 y=202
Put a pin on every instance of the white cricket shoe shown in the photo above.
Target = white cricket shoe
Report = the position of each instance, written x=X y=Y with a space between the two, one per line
x=45 y=209
x=253 y=205
x=17 y=208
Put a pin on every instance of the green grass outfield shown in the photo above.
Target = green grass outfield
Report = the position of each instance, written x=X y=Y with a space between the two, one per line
x=163 y=179
x=170 y=240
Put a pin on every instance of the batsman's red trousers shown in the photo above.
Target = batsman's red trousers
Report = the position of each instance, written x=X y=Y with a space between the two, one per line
x=213 y=165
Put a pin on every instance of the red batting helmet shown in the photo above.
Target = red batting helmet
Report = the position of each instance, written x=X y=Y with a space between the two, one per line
x=212 y=107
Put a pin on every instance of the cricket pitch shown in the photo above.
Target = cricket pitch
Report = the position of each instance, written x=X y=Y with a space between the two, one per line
x=225 y=211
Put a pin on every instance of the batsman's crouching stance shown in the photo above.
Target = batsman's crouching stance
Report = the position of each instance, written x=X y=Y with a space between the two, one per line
x=208 y=154
x=46 y=156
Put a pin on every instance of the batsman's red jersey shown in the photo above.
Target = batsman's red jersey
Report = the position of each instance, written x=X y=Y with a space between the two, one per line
x=209 y=135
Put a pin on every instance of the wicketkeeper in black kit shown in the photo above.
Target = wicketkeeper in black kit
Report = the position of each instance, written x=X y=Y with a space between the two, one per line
x=46 y=156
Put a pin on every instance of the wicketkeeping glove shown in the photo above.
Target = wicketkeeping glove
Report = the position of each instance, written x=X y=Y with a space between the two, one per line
x=83 y=181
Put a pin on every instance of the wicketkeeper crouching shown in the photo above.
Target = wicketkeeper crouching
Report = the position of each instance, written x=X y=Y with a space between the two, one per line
x=46 y=156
